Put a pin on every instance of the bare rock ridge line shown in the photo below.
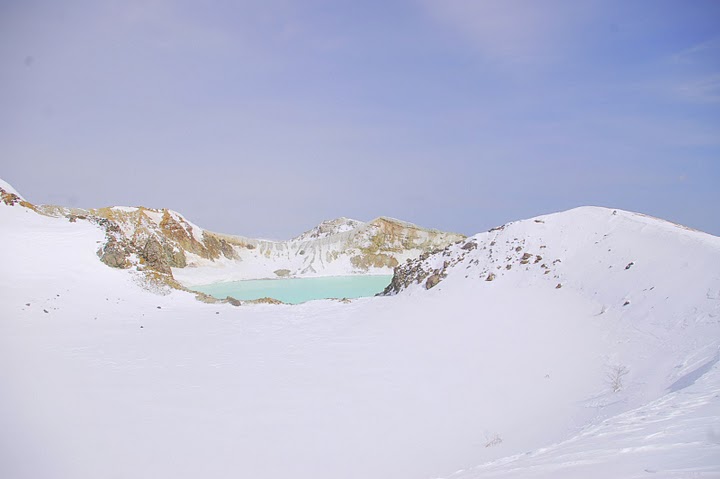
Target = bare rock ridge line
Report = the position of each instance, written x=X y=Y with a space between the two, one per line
x=161 y=242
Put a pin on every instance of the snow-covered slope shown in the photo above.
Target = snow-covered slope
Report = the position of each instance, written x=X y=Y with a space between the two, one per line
x=511 y=377
x=652 y=285
x=167 y=243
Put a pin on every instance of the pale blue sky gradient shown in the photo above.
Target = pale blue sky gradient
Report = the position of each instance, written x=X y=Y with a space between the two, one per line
x=265 y=117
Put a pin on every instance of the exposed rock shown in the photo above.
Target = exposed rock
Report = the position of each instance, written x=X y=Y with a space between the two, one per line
x=178 y=259
x=155 y=256
x=490 y=277
x=264 y=301
x=215 y=246
x=405 y=275
x=114 y=255
x=469 y=246
x=374 y=260
x=233 y=301
x=206 y=298
x=282 y=273
x=432 y=281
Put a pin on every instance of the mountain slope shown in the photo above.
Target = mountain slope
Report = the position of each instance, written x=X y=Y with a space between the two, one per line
x=171 y=247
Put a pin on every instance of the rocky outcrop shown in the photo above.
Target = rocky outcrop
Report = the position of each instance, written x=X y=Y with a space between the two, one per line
x=154 y=256
x=373 y=260
x=427 y=269
x=11 y=199
x=432 y=281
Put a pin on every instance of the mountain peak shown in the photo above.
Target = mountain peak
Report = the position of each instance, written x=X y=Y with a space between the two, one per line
x=4 y=185
x=330 y=228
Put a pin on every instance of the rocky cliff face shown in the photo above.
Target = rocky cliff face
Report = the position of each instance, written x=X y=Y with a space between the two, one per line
x=165 y=243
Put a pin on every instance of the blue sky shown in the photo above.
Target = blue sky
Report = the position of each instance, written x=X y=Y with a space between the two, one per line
x=265 y=117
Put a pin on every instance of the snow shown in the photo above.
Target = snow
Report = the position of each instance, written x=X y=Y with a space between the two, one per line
x=125 y=209
x=155 y=215
x=675 y=436
x=7 y=187
x=471 y=379
x=329 y=228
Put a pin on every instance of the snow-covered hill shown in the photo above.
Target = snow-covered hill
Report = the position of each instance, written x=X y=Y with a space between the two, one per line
x=652 y=285
x=172 y=247
x=613 y=374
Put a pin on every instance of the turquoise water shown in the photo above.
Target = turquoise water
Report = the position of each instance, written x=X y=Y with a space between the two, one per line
x=299 y=290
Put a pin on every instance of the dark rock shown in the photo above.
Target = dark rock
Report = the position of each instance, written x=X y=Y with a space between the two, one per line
x=469 y=246
x=154 y=256
x=233 y=301
x=115 y=254
x=432 y=281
